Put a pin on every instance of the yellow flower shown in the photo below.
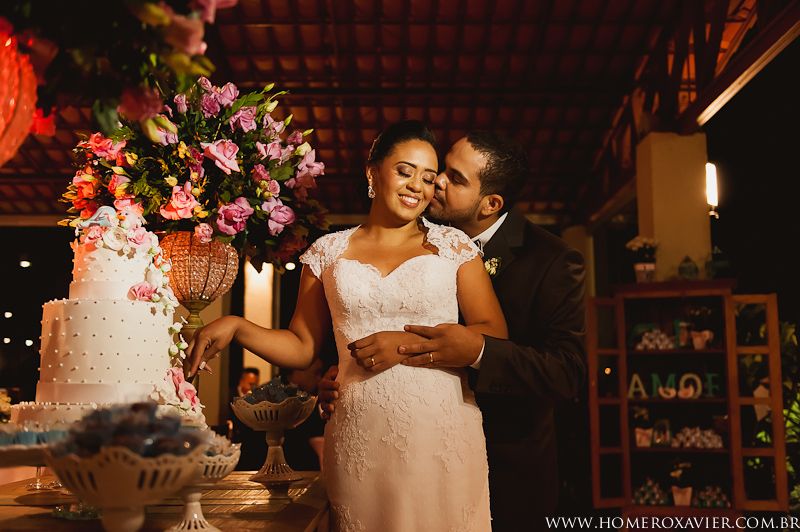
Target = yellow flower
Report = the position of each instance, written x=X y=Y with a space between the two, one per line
x=131 y=158
x=171 y=180
x=183 y=150
x=201 y=213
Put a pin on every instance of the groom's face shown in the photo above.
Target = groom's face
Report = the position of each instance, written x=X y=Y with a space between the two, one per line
x=457 y=199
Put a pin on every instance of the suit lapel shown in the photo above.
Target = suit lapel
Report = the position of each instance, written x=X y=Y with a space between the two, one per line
x=509 y=236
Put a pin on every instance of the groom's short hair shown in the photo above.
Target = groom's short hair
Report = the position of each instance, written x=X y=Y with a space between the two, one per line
x=506 y=168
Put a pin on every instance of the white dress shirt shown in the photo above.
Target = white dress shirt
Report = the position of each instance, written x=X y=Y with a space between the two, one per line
x=481 y=241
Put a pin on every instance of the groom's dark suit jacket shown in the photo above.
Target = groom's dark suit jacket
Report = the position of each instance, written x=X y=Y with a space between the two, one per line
x=540 y=285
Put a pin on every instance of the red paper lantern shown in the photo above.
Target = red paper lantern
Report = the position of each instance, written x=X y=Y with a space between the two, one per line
x=17 y=97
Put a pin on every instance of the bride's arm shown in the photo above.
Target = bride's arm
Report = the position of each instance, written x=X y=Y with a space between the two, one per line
x=477 y=301
x=294 y=347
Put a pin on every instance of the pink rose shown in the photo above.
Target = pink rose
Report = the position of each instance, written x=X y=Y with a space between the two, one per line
x=223 y=153
x=104 y=147
x=204 y=232
x=205 y=84
x=142 y=292
x=115 y=185
x=308 y=164
x=180 y=102
x=273 y=187
x=209 y=105
x=244 y=118
x=175 y=375
x=271 y=151
x=280 y=215
x=140 y=103
x=260 y=173
x=181 y=204
x=187 y=391
x=295 y=138
x=233 y=217
x=273 y=126
x=139 y=237
x=92 y=234
x=127 y=206
x=227 y=94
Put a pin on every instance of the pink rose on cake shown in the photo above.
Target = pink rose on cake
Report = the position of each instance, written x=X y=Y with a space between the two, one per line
x=187 y=394
x=204 y=232
x=181 y=204
x=139 y=237
x=223 y=153
x=92 y=234
x=233 y=216
x=142 y=291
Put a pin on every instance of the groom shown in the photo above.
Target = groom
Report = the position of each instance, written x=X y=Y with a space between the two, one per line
x=539 y=281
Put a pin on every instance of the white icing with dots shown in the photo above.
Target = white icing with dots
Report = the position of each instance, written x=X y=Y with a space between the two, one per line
x=105 y=274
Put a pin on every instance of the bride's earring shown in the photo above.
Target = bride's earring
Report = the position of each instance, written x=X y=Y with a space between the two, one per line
x=370 y=192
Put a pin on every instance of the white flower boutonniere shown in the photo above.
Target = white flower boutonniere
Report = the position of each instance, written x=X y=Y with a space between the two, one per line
x=491 y=265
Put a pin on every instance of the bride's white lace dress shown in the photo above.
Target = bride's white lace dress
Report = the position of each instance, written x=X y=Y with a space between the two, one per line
x=404 y=450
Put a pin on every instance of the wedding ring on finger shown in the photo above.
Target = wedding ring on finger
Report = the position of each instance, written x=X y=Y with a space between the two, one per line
x=430 y=355
x=371 y=361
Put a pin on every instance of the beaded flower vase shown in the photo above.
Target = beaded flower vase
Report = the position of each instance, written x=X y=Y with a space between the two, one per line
x=200 y=273
x=274 y=418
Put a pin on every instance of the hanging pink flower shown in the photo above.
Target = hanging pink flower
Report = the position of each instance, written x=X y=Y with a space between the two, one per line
x=181 y=204
x=295 y=138
x=233 y=217
x=274 y=127
x=260 y=173
x=204 y=232
x=223 y=153
x=185 y=34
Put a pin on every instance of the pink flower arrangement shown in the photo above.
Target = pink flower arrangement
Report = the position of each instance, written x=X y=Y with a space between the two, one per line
x=205 y=159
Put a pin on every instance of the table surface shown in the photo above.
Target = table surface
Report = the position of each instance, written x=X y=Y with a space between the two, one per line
x=234 y=503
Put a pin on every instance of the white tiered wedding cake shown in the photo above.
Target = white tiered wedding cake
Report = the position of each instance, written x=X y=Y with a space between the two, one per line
x=112 y=340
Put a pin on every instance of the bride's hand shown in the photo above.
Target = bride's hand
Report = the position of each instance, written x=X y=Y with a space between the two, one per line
x=378 y=352
x=209 y=341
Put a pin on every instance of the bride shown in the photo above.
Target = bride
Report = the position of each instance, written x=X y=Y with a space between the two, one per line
x=404 y=450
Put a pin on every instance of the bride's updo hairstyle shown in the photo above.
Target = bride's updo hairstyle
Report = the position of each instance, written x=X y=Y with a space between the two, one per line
x=398 y=133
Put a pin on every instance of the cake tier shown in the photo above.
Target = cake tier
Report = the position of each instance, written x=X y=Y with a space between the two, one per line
x=101 y=273
x=102 y=351
x=60 y=413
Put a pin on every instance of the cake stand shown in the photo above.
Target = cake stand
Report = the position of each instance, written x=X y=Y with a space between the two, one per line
x=210 y=469
x=274 y=418
x=121 y=483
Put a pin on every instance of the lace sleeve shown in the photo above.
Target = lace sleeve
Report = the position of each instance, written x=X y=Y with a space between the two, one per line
x=326 y=250
x=314 y=257
x=452 y=243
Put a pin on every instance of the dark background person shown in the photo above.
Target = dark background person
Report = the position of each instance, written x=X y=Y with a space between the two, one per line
x=254 y=444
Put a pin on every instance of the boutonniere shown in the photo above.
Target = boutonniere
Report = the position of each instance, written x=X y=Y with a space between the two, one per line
x=491 y=265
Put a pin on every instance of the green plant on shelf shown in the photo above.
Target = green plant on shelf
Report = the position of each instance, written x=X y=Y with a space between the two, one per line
x=790 y=366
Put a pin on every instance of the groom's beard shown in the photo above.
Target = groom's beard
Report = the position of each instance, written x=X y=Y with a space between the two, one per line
x=439 y=212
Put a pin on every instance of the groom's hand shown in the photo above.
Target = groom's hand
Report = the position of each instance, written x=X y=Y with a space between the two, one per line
x=379 y=351
x=328 y=392
x=447 y=345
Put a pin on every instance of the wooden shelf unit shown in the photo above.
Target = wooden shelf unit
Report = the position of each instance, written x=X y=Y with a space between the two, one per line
x=611 y=318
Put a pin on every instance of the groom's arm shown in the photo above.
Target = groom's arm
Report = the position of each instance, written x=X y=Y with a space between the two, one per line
x=555 y=366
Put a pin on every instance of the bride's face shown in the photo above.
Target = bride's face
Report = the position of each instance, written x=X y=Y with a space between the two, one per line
x=404 y=180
